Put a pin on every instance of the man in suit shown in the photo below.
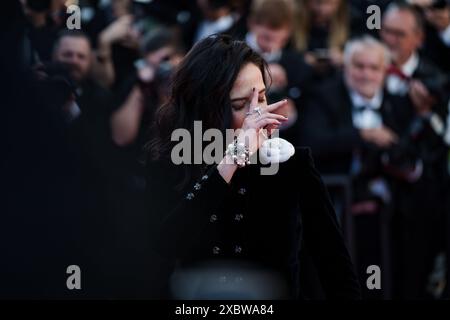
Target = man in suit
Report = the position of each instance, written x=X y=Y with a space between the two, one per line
x=92 y=149
x=420 y=236
x=350 y=123
x=410 y=73
x=353 y=110
x=437 y=30
x=270 y=27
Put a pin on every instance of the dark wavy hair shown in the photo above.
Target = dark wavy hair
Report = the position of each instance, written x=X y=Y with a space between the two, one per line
x=200 y=91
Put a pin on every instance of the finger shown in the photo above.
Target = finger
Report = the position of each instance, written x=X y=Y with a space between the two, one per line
x=414 y=95
x=254 y=101
x=128 y=17
x=125 y=19
x=389 y=138
x=268 y=121
x=272 y=116
x=393 y=138
x=275 y=106
x=421 y=89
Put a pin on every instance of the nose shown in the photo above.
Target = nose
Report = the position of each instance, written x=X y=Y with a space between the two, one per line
x=73 y=59
x=70 y=58
x=366 y=74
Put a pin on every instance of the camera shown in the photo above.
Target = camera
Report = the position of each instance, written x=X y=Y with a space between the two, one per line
x=439 y=4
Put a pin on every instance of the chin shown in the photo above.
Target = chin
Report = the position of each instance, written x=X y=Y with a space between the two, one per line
x=367 y=93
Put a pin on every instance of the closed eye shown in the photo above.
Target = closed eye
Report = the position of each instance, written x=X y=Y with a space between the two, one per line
x=240 y=106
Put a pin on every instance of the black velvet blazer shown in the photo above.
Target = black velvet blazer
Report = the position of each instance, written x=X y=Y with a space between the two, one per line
x=257 y=218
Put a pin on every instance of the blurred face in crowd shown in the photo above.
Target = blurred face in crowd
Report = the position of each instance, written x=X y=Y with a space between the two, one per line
x=162 y=54
x=241 y=94
x=153 y=59
x=120 y=7
x=210 y=12
x=365 y=71
x=323 y=10
x=76 y=53
x=401 y=34
x=270 y=39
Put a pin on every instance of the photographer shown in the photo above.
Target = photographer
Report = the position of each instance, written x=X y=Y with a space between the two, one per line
x=117 y=45
x=410 y=74
x=271 y=25
x=349 y=122
x=135 y=104
x=42 y=29
x=322 y=29
x=437 y=30
x=147 y=89
x=419 y=210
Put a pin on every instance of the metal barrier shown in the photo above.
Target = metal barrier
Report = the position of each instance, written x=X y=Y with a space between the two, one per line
x=341 y=185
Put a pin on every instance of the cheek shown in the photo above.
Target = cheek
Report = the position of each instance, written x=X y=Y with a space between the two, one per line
x=355 y=75
x=379 y=79
x=263 y=43
x=238 y=118
x=85 y=64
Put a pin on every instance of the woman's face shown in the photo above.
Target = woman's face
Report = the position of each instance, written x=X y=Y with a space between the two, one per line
x=248 y=78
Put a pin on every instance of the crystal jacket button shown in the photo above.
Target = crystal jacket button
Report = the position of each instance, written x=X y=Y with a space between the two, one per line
x=190 y=196
x=242 y=191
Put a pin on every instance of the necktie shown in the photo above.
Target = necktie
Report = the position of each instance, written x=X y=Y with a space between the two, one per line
x=396 y=71
x=362 y=108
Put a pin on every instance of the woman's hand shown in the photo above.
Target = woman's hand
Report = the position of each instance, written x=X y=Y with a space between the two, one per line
x=252 y=131
x=260 y=122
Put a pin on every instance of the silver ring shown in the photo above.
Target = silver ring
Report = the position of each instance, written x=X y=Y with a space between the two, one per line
x=256 y=110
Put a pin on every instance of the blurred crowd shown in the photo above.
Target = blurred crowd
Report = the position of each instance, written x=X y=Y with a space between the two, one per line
x=372 y=103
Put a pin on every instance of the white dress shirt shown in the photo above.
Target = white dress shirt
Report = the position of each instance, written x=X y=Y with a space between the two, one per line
x=445 y=36
x=366 y=112
x=270 y=57
x=207 y=28
x=397 y=85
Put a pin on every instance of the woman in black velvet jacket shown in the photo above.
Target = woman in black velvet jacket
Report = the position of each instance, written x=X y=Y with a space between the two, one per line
x=231 y=231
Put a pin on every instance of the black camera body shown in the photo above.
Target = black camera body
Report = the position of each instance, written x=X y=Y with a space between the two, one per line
x=440 y=4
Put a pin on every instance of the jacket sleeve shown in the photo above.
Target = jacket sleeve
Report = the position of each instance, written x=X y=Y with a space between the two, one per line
x=319 y=129
x=178 y=218
x=323 y=236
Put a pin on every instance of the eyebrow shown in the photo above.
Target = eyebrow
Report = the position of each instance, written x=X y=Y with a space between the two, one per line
x=245 y=98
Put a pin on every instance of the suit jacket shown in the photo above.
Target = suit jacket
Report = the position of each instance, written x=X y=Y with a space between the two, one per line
x=433 y=78
x=326 y=126
x=257 y=218
x=436 y=50
x=427 y=142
